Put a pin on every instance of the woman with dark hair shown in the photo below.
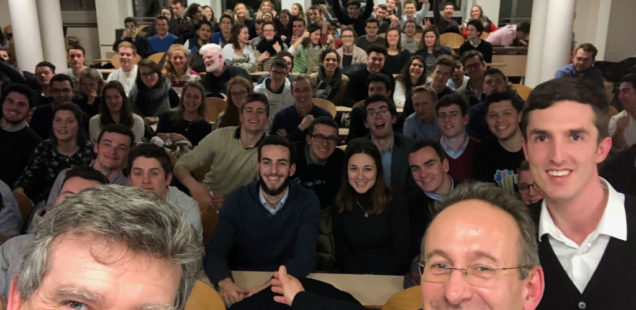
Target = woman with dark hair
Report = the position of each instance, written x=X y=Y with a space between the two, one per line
x=412 y=75
x=114 y=108
x=283 y=24
x=152 y=94
x=187 y=121
x=238 y=88
x=370 y=224
x=396 y=56
x=430 y=48
x=209 y=16
x=177 y=69
x=307 y=50
x=195 y=13
x=329 y=80
x=239 y=52
x=66 y=147
x=90 y=88
x=202 y=37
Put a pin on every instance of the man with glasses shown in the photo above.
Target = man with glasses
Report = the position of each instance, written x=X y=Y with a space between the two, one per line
x=292 y=121
x=479 y=252
x=277 y=88
x=528 y=189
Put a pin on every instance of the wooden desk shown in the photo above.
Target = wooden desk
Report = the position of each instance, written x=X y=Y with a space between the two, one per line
x=370 y=290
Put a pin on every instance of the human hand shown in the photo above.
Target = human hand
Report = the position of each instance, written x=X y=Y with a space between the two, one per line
x=255 y=289
x=230 y=293
x=264 y=56
x=285 y=285
x=217 y=200
x=277 y=47
x=427 y=22
x=201 y=194
x=304 y=124
x=621 y=123
x=282 y=132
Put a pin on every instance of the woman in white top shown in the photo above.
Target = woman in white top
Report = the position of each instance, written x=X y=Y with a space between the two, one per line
x=115 y=108
x=239 y=52
x=412 y=75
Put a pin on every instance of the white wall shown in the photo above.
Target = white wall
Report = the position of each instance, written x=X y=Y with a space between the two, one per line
x=590 y=24
x=110 y=16
x=620 y=31
x=491 y=9
x=5 y=19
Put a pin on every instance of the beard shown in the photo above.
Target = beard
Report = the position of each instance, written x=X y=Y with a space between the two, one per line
x=213 y=67
x=273 y=191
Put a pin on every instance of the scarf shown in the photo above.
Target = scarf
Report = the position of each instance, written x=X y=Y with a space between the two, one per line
x=150 y=100
x=327 y=88
x=268 y=46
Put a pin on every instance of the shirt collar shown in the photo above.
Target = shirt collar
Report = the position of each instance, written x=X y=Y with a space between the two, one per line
x=440 y=197
x=452 y=154
x=16 y=127
x=237 y=136
x=271 y=209
x=613 y=222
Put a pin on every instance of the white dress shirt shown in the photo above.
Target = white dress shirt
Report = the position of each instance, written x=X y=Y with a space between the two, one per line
x=580 y=261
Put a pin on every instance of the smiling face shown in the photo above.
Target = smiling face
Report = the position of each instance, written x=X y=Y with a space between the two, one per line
x=284 y=18
x=440 y=75
x=295 y=9
x=563 y=149
x=88 y=85
x=179 y=60
x=315 y=37
x=15 y=108
x=112 y=150
x=298 y=28
x=476 y=233
x=371 y=29
x=192 y=99
x=113 y=100
x=475 y=12
x=393 y=38
x=239 y=95
x=244 y=36
x=147 y=173
x=361 y=172
x=126 y=58
x=148 y=77
x=314 y=16
x=379 y=119
x=43 y=75
x=380 y=13
x=410 y=29
x=321 y=150
x=528 y=189
x=429 y=39
x=503 y=119
x=471 y=32
x=266 y=6
x=61 y=91
x=106 y=274
x=213 y=61
x=409 y=10
x=416 y=69
x=268 y=17
x=330 y=62
x=390 y=6
x=269 y=32
x=424 y=106
x=166 y=13
x=449 y=9
x=375 y=62
x=347 y=38
x=451 y=122
x=65 y=126
x=582 y=60
x=275 y=169
x=204 y=32
x=494 y=83
x=302 y=92
x=162 y=27
x=429 y=171
x=253 y=117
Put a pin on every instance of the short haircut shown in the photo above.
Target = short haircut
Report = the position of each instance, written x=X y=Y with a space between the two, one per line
x=279 y=62
x=629 y=78
x=382 y=6
x=445 y=60
x=380 y=98
x=298 y=19
x=588 y=48
x=19 y=88
x=449 y=3
x=327 y=51
x=510 y=95
x=75 y=46
x=477 y=24
x=277 y=140
x=130 y=19
x=259 y=21
x=119 y=129
x=228 y=16
x=79 y=117
x=269 y=23
x=524 y=166
x=322 y=120
x=572 y=89
x=284 y=53
x=86 y=173
x=495 y=71
x=383 y=78
x=120 y=215
x=418 y=145
x=427 y=89
x=524 y=27
x=182 y=2
x=203 y=22
x=150 y=150
x=127 y=44
x=161 y=17
x=371 y=20
x=61 y=78
x=313 y=27
x=301 y=77
x=257 y=97
x=470 y=54
x=377 y=48
x=452 y=99
x=354 y=3
x=507 y=202
x=46 y=64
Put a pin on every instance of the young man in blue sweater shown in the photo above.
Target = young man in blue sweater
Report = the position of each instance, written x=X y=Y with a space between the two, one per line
x=264 y=224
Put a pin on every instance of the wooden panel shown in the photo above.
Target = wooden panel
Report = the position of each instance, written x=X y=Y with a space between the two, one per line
x=514 y=65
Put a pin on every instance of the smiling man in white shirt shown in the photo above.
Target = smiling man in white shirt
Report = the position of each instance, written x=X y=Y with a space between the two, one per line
x=586 y=248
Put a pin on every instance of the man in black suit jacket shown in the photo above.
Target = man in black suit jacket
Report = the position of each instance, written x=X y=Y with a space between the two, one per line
x=586 y=229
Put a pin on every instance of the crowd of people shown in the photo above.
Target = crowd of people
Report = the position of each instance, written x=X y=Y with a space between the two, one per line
x=444 y=167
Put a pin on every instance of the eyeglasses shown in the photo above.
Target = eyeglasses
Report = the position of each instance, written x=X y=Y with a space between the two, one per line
x=146 y=73
x=383 y=111
x=524 y=187
x=321 y=139
x=477 y=275
x=238 y=93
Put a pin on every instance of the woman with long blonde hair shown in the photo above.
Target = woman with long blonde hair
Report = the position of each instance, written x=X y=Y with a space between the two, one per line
x=178 y=69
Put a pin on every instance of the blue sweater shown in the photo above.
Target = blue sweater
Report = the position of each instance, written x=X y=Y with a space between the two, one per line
x=248 y=237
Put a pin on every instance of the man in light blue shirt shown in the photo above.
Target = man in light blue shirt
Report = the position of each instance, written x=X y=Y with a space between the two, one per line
x=583 y=65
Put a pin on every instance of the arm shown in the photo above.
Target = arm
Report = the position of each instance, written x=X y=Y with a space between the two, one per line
x=302 y=263
x=398 y=95
x=12 y=73
x=10 y=217
x=617 y=127
x=368 y=9
x=339 y=12
x=191 y=161
x=34 y=171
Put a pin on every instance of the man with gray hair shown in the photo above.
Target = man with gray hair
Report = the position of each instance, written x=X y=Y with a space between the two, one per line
x=218 y=73
x=130 y=250
x=481 y=231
